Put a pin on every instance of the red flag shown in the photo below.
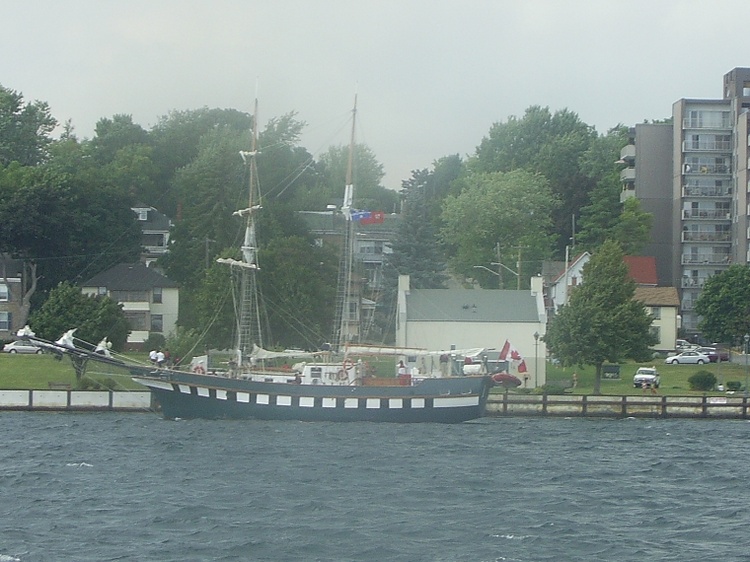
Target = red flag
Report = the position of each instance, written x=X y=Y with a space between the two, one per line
x=504 y=351
x=522 y=367
x=378 y=217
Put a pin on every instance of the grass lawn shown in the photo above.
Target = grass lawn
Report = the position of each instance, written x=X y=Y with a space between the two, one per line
x=35 y=372
x=674 y=378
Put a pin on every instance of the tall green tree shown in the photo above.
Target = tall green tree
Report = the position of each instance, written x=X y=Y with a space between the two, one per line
x=495 y=216
x=298 y=281
x=112 y=135
x=548 y=144
x=93 y=317
x=25 y=129
x=601 y=321
x=724 y=305
x=369 y=194
x=71 y=228
x=176 y=141
x=415 y=247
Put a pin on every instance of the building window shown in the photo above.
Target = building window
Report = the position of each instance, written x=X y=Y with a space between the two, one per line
x=656 y=332
x=136 y=320
x=656 y=312
x=4 y=293
x=129 y=296
x=157 y=295
x=157 y=323
x=5 y=318
x=101 y=291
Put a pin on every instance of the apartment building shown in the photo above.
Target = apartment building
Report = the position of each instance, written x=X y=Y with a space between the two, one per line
x=694 y=171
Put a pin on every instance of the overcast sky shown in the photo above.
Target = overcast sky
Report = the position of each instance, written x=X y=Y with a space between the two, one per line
x=432 y=76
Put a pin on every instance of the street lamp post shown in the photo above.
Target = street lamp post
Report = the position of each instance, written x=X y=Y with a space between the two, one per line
x=747 y=339
x=536 y=357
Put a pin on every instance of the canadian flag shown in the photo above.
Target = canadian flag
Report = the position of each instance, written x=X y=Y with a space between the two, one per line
x=510 y=352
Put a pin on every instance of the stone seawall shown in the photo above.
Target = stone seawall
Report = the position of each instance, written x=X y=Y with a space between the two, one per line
x=75 y=400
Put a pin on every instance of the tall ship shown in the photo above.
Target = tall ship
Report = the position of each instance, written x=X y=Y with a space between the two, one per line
x=332 y=384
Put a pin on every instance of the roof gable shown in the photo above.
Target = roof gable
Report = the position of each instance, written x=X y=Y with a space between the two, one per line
x=130 y=277
x=470 y=305
x=642 y=269
x=657 y=296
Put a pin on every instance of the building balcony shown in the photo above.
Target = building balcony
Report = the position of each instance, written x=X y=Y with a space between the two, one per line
x=703 y=123
x=704 y=191
x=705 y=259
x=714 y=237
x=627 y=175
x=706 y=146
x=693 y=282
x=707 y=214
x=628 y=192
x=627 y=154
x=705 y=169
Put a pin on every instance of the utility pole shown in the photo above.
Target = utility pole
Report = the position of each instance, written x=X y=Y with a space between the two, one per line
x=518 y=269
x=499 y=270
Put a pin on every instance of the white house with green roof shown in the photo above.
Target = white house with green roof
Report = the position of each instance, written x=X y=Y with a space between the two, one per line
x=443 y=319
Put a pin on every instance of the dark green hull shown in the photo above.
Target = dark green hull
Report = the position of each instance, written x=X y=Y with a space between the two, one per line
x=444 y=400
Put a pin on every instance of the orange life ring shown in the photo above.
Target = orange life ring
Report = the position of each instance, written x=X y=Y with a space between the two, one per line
x=198 y=369
x=348 y=364
x=342 y=376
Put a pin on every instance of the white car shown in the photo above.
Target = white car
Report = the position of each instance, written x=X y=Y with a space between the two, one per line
x=20 y=346
x=688 y=358
x=646 y=377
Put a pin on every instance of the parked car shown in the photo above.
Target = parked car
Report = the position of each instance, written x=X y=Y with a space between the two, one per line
x=683 y=345
x=646 y=376
x=20 y=346
x=714 y=353
x=688 y=358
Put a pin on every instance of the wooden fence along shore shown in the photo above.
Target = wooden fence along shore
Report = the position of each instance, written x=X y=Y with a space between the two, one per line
x=567 y=405
x=498 y=405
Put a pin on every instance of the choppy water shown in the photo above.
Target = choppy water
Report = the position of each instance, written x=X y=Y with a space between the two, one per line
x=100 y=487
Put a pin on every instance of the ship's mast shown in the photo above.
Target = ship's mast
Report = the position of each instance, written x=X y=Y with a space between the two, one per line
x=248 y=321
x=347 y=306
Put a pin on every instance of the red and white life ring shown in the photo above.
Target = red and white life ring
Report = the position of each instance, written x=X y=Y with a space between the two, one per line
x=348 y=364
x=198 y=369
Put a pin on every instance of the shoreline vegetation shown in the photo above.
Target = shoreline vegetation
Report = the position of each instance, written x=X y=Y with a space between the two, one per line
x=38 y=372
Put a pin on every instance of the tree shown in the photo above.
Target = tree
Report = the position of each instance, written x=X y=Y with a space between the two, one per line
x=415 y=252
x=415 y=248
x=112 y=135
x=298 y=281
x=493 y=217
x=70 y=227
x=602 y=322
x=93 y=317
x=176 y=141
x=368 y=173
x=548 y=144
x=724 y=305
x=24 y=129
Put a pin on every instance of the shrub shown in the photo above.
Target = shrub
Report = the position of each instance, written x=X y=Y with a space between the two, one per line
x=702 y=380
x=154 y=341
x=734 y=385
